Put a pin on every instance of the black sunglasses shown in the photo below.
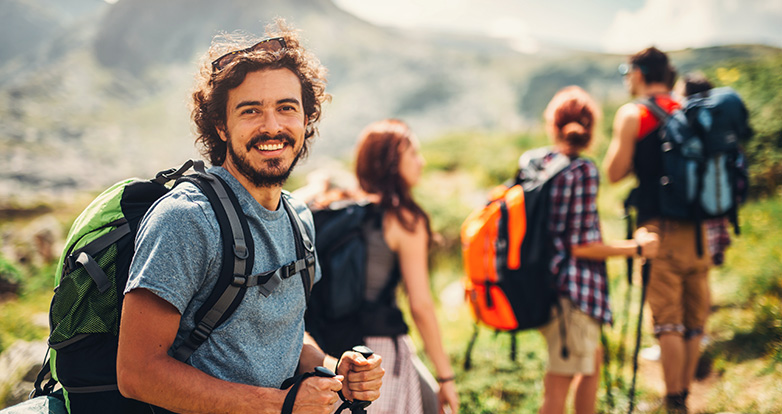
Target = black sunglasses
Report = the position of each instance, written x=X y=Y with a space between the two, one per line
x=273 y=44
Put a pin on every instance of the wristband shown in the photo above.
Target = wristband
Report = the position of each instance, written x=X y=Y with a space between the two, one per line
x=446 y=379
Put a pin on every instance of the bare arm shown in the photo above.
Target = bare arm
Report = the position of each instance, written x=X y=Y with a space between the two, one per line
x=618 y=162
x=146 y=372
x=649 y=243
x=412 y=248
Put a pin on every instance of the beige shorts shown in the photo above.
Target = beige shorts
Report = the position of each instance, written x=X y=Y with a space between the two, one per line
x=678 y=291
x=582 y=337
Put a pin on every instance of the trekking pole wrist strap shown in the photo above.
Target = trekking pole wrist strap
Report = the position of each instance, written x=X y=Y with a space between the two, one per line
x=294 y=383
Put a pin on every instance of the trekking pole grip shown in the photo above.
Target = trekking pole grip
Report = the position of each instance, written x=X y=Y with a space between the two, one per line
x=359 y=406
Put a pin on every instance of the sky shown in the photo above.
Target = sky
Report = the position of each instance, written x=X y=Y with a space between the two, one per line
x=614 y=26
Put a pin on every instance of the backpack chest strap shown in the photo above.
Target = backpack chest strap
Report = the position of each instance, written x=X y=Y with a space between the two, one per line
x=268 y=281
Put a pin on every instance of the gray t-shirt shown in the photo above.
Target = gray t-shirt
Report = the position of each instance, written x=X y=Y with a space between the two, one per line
x=178 y=258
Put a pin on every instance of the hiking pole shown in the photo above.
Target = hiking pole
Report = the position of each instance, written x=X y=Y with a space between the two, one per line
x=606 y=372
x=645 y=271
x=360 y=406
x=621 y=349
x=355 y=406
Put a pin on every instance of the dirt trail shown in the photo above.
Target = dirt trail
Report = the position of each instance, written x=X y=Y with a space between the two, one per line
x=650 y=376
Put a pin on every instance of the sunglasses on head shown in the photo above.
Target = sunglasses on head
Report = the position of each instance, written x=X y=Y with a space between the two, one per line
x=626 y=68
x=273 y=44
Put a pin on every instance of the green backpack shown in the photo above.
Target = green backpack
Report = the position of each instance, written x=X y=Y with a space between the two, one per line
x=90 y=281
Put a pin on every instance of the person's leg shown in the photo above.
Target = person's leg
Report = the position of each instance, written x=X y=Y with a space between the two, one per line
x=665 y=297
x=692 y=352
x=555 y=390
x=697 y=307
x=586 y=387
x=672 y=359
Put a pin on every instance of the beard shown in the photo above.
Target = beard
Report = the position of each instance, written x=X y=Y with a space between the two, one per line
x=275 y=174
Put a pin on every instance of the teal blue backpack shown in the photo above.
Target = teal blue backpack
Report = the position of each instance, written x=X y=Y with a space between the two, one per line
x=90 y=281
x=704 y=171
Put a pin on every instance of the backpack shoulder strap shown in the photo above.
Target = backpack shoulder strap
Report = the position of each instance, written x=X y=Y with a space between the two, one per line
x=535 y=171
x=661 y=114
x=238 y=259
x=238 y=250
x=305 y=249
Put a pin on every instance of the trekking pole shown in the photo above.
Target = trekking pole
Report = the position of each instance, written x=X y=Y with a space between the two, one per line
x=360 y=406
x=621 y=348
x=606 y=371
x=645 y=271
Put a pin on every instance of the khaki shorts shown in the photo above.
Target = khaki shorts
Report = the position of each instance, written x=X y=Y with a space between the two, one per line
x=678 y=290
x=583 y=338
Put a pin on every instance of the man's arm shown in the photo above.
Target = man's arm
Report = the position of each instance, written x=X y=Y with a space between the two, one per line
x=362 y=376
x=618 y=162
x=147 y=373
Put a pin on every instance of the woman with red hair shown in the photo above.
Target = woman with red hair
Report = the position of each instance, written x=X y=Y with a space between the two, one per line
x=388 y=166
x=579 y=256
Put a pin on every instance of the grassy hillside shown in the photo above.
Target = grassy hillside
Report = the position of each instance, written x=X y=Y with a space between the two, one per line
x=743 y=365
x=744 y=334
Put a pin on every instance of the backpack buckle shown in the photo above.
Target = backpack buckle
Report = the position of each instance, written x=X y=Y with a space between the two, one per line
x=70 y=264
x=289 y=270
x=239 y=280
x=200 y=333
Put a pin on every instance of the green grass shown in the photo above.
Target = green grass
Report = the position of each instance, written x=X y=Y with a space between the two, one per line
x=745 y=332
x=16 y=318
x=745 y=328
x=746 y=343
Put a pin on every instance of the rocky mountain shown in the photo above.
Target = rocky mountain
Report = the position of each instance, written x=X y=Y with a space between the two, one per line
x=94 y=91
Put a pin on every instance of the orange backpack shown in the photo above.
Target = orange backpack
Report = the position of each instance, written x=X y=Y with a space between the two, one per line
x=507 y=250
x=491 y=243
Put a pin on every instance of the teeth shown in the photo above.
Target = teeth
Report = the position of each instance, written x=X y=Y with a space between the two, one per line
x=270 y=147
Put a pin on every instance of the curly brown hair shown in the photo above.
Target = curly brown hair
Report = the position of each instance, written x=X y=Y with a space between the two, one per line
x=210 y=97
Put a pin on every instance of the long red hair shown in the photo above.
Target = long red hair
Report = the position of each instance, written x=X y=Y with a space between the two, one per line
x=379 y=150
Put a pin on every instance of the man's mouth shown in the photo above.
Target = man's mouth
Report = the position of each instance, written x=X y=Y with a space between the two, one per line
x=269 y=143
x=270 y=146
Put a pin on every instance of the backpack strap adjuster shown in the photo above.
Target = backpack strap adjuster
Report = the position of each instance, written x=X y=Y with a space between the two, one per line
x=201 y=332
x=239 y=280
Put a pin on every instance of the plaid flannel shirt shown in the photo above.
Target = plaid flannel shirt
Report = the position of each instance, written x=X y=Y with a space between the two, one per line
x=718 y=238
x=574 y=221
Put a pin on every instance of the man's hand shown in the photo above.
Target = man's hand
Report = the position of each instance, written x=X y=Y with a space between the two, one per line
x=363 y=376
x=318 y=395
x=649 y=242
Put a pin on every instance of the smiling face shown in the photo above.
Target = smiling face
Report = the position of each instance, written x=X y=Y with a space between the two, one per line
x=264 y=128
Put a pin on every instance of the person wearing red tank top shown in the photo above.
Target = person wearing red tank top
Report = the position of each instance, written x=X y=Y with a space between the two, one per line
x=678 y=286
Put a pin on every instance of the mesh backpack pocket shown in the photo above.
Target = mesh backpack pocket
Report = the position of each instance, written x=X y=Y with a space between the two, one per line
x=79 y=306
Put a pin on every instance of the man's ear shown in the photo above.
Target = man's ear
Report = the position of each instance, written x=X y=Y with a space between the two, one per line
x=307 y=126
x=221 y=132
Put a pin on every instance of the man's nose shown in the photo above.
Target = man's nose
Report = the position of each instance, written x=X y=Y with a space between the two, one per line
x=270 y=124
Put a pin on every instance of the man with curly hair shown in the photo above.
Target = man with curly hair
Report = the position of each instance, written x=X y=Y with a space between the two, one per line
x=256 y=107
